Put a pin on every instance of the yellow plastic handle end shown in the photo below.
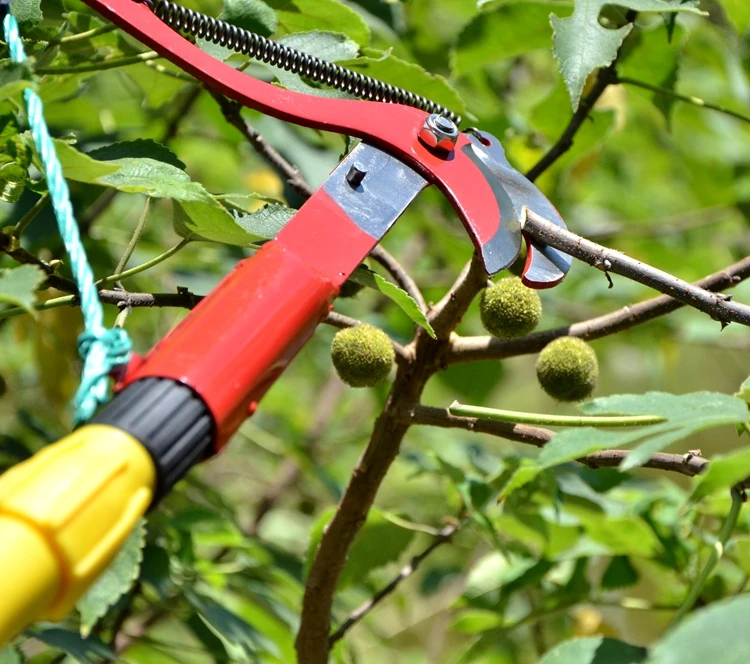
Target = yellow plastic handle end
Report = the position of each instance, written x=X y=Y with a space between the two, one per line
x=64 y=514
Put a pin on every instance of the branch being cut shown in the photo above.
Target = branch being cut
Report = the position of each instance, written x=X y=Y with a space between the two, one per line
x=718 y=307
x=471 y=349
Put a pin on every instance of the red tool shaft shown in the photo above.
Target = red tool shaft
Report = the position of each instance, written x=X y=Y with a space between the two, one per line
x=239 y=339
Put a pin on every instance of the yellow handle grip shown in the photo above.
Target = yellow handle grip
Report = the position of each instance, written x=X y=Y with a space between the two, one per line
x=64 y=514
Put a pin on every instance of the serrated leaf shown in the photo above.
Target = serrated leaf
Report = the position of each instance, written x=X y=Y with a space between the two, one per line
x=684 y=415
x=141 y=148
x=157 y=179
x=18 y=286
x=723 y=472
x=505 y=31
x=595 y=650
x=116 y=580
x=252 y=15
x=84 y=651
x=582 y=44
x=327 y=15
x=717 y=634
x=398 y=295
x=380 y=541
x=28 y=13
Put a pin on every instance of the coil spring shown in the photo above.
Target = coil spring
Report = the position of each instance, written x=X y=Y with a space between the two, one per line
x=290 y=59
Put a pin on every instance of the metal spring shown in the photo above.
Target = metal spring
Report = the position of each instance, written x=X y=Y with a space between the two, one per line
x=290 y=59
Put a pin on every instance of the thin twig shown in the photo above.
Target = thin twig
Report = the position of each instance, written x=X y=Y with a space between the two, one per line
x=471 y=349
x=695 y=101
x=232 y=114
x=565 y=142
x=444 y=536
x=112 y=63
x=24 y=221
x=718 y=307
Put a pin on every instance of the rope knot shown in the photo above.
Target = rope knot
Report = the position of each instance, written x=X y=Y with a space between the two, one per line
x=101 y=352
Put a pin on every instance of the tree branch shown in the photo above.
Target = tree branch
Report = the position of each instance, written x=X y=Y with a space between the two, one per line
x=685 y=464
x=719 y=307
x=472 y=349
x=565 y=142
x=444 y=536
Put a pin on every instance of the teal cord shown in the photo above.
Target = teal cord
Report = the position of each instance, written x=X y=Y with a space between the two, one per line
x=101 y=350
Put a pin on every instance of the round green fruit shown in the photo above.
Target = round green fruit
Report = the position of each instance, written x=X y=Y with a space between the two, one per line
x=362 y=355
x=509 y=309
x=567 y=369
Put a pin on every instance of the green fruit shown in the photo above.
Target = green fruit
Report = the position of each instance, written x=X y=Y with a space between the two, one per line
x=567 y=369
x=509 y=309
x=362 y=355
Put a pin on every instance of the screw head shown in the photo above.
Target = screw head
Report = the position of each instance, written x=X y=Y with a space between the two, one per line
x=439 y=133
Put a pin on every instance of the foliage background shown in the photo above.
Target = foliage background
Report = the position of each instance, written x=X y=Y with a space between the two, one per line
x=575 y=553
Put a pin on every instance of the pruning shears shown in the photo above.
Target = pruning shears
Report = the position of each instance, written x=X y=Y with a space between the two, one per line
x=65 y=513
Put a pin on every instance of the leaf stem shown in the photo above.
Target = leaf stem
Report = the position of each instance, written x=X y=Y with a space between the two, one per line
x=716 y=553
x=516 y=417
x=24 y=221
x=112 y=63
x=136 y=236
x=83 y=36
x=695 y=101
x=144 y=266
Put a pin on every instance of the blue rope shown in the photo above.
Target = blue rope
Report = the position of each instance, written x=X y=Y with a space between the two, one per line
x=100 y=349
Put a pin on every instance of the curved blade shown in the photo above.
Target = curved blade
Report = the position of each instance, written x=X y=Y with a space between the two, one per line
x=545 y=267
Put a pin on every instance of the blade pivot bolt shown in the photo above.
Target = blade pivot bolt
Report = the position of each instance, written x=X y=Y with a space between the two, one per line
x=439 y=133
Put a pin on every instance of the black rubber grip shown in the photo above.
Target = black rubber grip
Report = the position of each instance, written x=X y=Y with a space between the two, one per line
x=170 y=420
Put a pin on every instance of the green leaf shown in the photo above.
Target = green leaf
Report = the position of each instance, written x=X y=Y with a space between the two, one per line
x=10 y=656
x=205 y=217
x=744 y=392
x=626 y=535
x=390 y=69
x=475 y=621
x=738 y=12
x=141 y=148
x=84 y=651
x=505 y=31
x=241 y=640
x=582 y=44
x=595 y=650
x=684 y=415
x=398 y=295
x=18 y=286
x=327 y=15
x=380 y=541
x=252 y=15
x=717 y=634
x=266 y=222
x=723 y=472
x=620 y=573
x=28 y=13
x=116 y=580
